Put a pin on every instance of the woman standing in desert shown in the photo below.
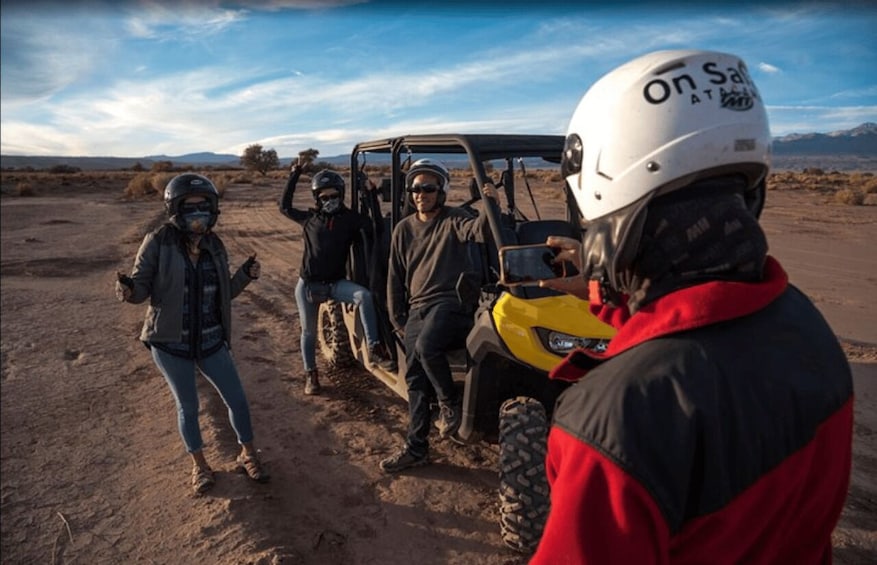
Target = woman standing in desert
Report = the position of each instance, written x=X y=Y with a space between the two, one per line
x=182 y=267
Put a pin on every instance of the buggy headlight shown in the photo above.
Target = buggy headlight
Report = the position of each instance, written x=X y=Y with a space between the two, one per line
x=560 y=343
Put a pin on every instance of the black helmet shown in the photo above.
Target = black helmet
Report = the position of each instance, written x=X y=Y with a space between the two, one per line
x=190 y=184
x=327 y=179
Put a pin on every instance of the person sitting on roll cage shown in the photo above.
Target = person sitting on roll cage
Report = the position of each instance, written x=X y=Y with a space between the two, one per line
x=328 y=231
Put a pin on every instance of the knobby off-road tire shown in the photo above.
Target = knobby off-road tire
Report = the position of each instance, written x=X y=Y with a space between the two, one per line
x=332 y=335
x=523 y=486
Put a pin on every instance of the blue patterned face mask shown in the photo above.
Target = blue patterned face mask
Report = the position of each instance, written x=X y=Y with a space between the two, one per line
x=197 y=222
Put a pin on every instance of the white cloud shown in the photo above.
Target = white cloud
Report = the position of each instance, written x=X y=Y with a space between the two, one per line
x=522 y=82
x=42 y=56
x=182 y=23
x=868 y=91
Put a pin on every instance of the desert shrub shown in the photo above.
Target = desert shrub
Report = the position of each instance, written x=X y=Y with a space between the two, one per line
x=241 y=178
x=221 y=182
x=261 y=181
x=24 y=189
x=162 y=166
x=813 y=171
x=160 y=180
x=140 y=186
x=64 y=169
x=869 y=185
x=849 y=196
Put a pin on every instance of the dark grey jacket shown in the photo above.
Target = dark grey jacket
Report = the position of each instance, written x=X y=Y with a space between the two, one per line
x=160 y=273
x=426 y=259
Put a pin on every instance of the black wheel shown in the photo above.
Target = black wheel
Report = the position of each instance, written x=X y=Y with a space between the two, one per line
x=523 y=486
x=332 y=335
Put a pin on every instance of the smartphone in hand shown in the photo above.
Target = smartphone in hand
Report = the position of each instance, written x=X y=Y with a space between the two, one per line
x=529 y=264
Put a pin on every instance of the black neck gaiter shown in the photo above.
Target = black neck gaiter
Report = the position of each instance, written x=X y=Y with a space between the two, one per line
x=704 y=233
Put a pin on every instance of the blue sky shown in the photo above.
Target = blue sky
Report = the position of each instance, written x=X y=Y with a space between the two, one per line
x=132 y=79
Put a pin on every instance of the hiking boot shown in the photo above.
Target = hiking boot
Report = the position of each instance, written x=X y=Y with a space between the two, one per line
x=405 y=459
x=378 y=355
x=450 y=418
x=312 y=383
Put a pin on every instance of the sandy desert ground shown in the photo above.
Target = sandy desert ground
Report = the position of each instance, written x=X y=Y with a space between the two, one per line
x=93 y=470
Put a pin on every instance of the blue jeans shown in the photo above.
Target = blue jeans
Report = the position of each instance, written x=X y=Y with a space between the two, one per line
x=430 y=333
x=220 y=371
x=342 y=290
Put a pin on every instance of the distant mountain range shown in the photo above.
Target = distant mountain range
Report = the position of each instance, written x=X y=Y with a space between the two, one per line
x=860 y=140
x=853 y=149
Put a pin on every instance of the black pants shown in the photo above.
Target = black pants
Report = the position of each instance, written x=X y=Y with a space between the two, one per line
x=430 y=332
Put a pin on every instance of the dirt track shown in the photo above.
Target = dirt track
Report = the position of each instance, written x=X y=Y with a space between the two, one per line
x=93 y=470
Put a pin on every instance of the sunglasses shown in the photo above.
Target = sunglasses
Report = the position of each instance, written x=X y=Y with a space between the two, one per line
x=427 y=188
x=328 y=197
x=191 y=207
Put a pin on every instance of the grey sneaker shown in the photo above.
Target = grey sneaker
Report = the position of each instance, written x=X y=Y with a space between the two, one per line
x=449 y=420
x=404 y=459
x=312 y=382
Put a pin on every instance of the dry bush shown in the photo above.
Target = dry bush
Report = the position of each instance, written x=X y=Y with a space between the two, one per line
x=242 y=178
x=140 y=186
x=160 y=180
x=24 y=189
x=852 y=189
x=145 y=185
x=849 y=196
x=221 y=181
x=868 y=185
x=262 y=181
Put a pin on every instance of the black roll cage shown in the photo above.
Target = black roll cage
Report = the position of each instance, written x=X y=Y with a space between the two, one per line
x=478 y=148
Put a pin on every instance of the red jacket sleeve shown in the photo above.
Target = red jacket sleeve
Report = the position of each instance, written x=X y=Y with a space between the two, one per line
x=599 y=514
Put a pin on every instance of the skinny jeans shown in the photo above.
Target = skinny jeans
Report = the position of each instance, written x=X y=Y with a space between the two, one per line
x=341 y=290
x=219 y=369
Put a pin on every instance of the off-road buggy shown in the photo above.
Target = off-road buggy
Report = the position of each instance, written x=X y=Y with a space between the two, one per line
x=519 y=333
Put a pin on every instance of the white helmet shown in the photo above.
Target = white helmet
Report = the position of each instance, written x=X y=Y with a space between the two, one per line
x=661 y=122
x=664 y=121
x=432 y=166
x=435 y=168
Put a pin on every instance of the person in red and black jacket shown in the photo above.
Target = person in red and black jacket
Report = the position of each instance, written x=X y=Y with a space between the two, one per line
x=717 y=426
